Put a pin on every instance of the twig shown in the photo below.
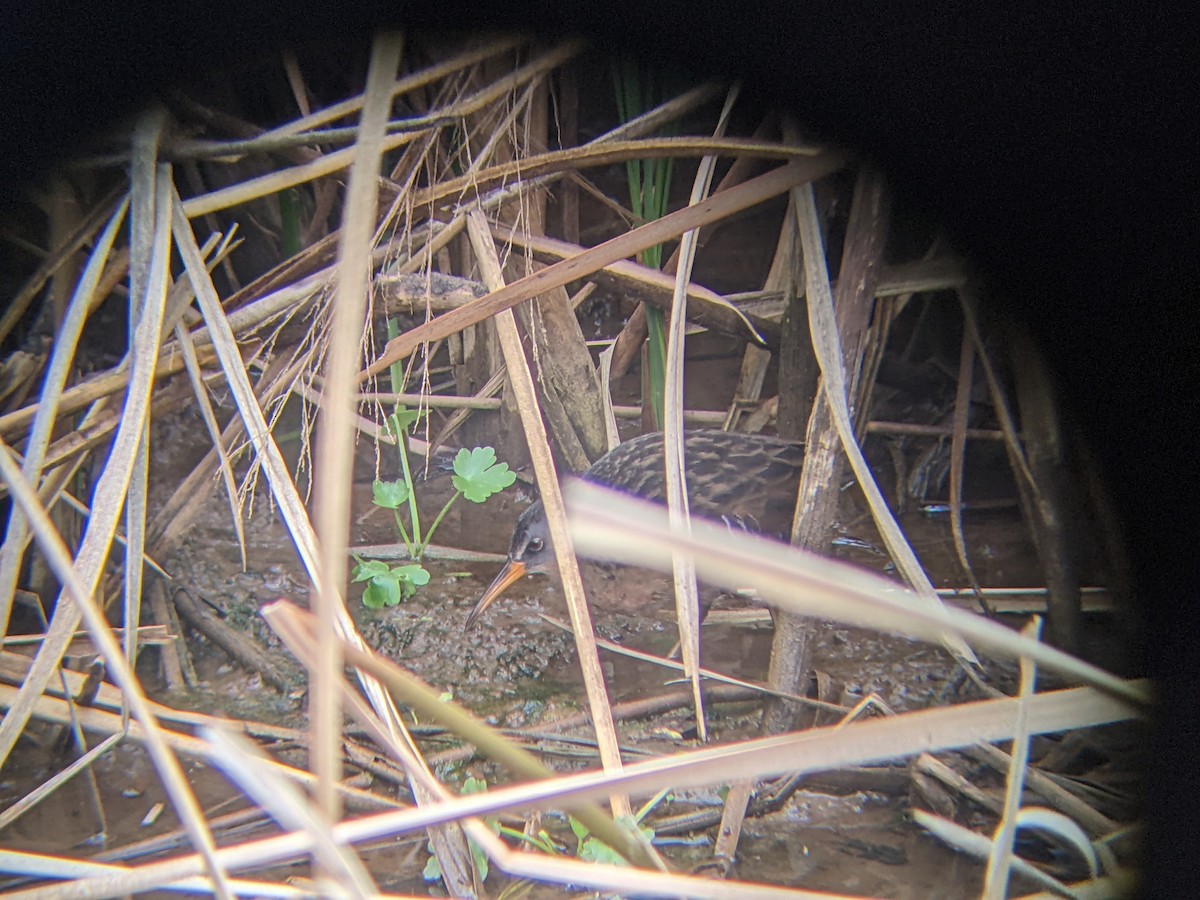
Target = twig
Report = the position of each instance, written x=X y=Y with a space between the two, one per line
x=242 y=648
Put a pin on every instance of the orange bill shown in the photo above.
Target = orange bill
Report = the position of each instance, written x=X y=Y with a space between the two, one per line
x=512 y=571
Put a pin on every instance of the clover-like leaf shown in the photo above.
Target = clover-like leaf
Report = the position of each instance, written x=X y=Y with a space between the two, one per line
x=368 y=569
x=412 y=574
x=384 y=590
x=389 y=494
x=478 y=475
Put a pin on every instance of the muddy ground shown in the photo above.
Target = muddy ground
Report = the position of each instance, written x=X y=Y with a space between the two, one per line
x=519 y=671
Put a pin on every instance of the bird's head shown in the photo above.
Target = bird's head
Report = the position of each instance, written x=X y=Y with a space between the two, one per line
x=530 y=552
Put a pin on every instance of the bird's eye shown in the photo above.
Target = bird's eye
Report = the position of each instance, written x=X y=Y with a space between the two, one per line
x=535 y=545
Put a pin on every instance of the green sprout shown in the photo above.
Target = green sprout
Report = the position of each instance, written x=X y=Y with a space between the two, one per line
x=433 y=870
x=640 y=88
x=541 y=841
x=592 y=849
x=588 y=848
x=477 y=476
x=388 y=585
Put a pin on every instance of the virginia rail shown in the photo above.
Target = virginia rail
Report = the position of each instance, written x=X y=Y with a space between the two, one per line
x=748 y=481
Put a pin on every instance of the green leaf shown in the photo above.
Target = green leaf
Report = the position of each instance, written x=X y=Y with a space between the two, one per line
x=632 y=825
x=368 y=569
x=580 y=830
x=593 y=850
x=384 y=590
x=389 y=494
x=412 y=573
x=433 y=870
x=480 y=858
x=478 y=475
x=403 y=419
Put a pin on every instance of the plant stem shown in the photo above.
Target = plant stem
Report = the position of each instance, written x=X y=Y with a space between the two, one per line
x=402 y=446
x=540 y=844
x=438 y=520
x=396 y=373
x=656 y=360
x=412 y=548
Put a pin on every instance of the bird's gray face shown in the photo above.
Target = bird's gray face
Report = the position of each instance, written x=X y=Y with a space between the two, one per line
x=531 y=544
x=530 y=551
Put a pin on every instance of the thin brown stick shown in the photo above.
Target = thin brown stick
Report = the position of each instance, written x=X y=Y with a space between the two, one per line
x=535 y=435
x=243 y=649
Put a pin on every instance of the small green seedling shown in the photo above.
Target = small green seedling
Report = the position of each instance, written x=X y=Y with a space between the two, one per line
x=540 y=841
x=433 y=870
x=589 y=848
x=477 y=476
x=388 y=585
x=592 y=849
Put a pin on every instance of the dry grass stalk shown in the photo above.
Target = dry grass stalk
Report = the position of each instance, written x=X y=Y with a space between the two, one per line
x=595 y=154
x=104 y=718
x=80 y=595
x=296 y=628
x=745 y=195
x=19 y=304
x=522 y=385
x=636 y=281
x=687 y=597
x=829 y=355
x=41 y=866
x=426 y=240
x=1001 y=859
x=404 y=85
x=335 y=448
x=968 y=300
x=1059 y=798
x=611 y=526
x=967 y=841
x=297 y=289
x=819 y=749
x=958 y=454
x=329 y=163
x=149 y=236
x=17 y=537
x=288 y=806
x=965 y=722
x=706 y=674
x=60 y=778
x=203 y=403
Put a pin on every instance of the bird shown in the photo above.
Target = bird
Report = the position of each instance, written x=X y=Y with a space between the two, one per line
x=749 y=481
